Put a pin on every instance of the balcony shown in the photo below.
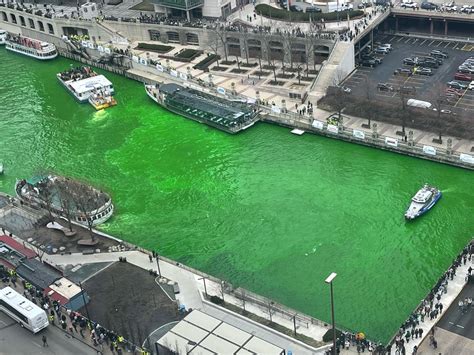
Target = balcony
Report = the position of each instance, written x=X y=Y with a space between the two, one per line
x=180 y=4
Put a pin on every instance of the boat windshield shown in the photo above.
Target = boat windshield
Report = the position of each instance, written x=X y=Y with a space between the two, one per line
x=422 y=196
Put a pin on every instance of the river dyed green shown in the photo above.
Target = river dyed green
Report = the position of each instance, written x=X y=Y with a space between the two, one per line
x=267 y=210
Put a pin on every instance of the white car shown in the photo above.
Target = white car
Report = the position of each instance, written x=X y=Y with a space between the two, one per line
x=386 y=45
x=471 y=86
x=409 y=5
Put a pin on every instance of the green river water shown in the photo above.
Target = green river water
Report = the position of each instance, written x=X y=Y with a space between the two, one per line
x=267 y=210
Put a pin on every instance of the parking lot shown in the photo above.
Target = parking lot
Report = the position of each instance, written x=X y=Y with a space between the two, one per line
x=425 y=87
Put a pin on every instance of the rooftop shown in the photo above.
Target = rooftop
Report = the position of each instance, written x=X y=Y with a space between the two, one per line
x=85 y=85
x=200 y=333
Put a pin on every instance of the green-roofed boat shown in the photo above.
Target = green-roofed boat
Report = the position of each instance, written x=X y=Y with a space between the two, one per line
x=66 y=197
x=227 y=115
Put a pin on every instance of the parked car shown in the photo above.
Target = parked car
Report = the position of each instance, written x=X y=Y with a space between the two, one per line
x=403 y=71
x=471 y=85
x=463 y=77
x=428 y=64
x=465 y=69
x=409 y=61
x=453 y=92
x=429 y=6
x=384 y=87
x=457 y=85
x=369 y=57
x=313 y=9
x=368 y=63
x=385 y=45
x=381 y=50
x=409 y=5
x=296 y=8
x=423 y=71
x=439 y=54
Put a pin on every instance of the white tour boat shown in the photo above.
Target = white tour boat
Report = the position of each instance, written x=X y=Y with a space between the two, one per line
x=82 y=82
x=64 y=196
x=423 y=201
x=31 y=47
x=3 y=36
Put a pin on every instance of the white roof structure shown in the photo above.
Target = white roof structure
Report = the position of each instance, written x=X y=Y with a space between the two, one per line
x=85 y=85
x=65 y=288
x=201 y=334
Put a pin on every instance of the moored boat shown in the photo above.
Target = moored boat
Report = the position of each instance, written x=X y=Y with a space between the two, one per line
x=101 y=98
x=227 y=115
x=66 y=197
x=423 y=201
x=31 y=47
x=3 y=36
x=81 y=82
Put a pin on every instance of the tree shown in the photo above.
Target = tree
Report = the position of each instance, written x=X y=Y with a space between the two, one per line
x=46 y=194
x=269 y=309
x=85 y=199
x=214 y=45
x=66 y=201
x=438 y=100
x=369 y=88
x=403 y=93
x=219 y=33
x=244 y=34
x=265 y=40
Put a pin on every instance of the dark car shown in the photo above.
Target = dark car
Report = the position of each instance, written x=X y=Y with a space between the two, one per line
x=407 y=90
x=428 y=6
x=368 y=63
x=296 y=8
x=457 y=85
x=313 y=9
x=428 y=64
x=424 y=71
x=384 y=87
x=438 y=54
x=409 y=61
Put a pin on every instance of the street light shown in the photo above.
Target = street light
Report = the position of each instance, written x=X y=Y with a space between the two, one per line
x=329 y=281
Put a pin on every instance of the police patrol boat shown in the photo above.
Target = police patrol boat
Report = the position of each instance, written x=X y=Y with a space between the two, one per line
x=423 y=201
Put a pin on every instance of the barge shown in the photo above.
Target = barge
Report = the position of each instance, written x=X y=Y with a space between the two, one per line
x=65 y=197
x=83 y=82
x=31 y=47
x=225 y=115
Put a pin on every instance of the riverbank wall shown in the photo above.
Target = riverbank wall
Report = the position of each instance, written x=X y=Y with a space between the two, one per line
x=319 y=123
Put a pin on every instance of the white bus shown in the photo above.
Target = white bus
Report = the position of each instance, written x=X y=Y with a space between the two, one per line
x=25 y=312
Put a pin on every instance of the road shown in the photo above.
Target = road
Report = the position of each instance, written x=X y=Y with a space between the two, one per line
x=17 y=340
x=456 y=322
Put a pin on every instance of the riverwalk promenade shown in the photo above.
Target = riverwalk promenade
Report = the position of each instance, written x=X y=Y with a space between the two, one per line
x=194 y=285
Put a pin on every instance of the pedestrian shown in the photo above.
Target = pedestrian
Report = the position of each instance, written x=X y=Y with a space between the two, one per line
x=412 y=333
x=417 y=332
x=45 y=341
x=435 y=344
x=150 y=258
x=415 y=350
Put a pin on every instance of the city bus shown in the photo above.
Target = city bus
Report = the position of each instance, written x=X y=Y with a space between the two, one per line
x=25 y=312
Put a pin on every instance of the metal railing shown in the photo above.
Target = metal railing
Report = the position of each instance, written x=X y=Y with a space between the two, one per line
x=180 y=4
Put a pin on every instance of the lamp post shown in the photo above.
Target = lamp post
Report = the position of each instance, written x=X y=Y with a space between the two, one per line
x=158 y=264
x=204 y=281
x=329 y=281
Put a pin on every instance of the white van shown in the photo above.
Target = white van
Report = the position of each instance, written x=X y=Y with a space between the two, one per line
x=418 y=103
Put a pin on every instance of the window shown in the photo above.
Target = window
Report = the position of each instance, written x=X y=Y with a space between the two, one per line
x=173 y=37
x=192 y=38
x=41 y=26
x=13 y=311
x=32 y=23
x=4 y=16
x=154 y=35
x=13 y=17
x=22 y=21
x=50 y=29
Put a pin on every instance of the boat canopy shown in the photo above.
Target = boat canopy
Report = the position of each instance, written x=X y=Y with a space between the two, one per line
x=88 y=84
x=422 y=196
x=36 y=179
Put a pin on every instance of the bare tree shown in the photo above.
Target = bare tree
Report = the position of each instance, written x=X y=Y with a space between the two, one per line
x=66 y=201
x=265 y=40
x=269 y=309
x=369 y=89
x=220 y=33
x=438 y=99
x=244 y=34
x=403 y=93
x=214 y=45
x=222 y=289
x=243 y=298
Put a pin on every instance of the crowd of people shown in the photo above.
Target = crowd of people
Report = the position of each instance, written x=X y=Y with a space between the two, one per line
x=77 y=73
x=69 y=321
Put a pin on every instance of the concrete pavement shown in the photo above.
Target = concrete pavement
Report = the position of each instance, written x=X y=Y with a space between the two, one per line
x=19 y=341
